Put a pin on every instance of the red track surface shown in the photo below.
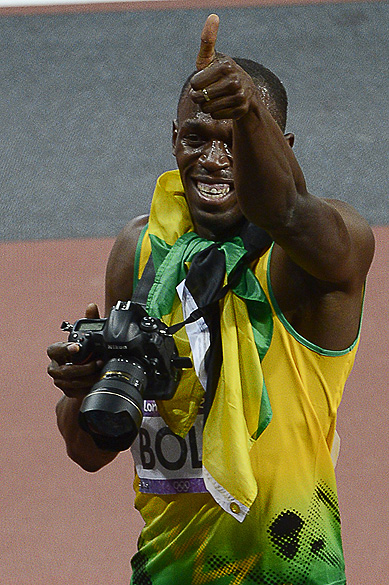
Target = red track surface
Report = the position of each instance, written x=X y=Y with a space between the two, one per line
x=62 y=526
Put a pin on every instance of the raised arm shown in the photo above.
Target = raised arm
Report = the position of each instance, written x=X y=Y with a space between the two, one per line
x=327 y=239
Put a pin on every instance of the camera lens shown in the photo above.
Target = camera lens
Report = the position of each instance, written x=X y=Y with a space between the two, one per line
x=112 y=412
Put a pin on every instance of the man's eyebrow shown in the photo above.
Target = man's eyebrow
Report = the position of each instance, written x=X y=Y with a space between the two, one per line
x=204 y=126
x=193 y=123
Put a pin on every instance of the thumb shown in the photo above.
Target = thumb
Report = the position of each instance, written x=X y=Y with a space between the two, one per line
x=92 y=311
x=208 y=41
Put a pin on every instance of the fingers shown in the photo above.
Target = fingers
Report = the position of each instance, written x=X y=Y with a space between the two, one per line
x=220 y=87
x=222 y=91
x=73 y=387
x=207 y=51
x=61 y=353
x=92 y=311
x=73 y=380
x=220 y=108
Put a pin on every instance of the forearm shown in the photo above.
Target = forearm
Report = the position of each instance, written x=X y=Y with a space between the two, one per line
x=267 y=176
x=80 y=446
x=326 y=239
x=272 y=194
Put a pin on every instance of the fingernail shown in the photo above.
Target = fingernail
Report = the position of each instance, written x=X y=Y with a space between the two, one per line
x=73 y=348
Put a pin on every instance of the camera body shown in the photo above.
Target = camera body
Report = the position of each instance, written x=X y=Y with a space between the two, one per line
x=140 y=362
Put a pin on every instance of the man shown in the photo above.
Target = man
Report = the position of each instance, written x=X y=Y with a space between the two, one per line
x=272 y=351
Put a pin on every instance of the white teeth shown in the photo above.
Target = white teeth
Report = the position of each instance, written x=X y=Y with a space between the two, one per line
x=216 y=191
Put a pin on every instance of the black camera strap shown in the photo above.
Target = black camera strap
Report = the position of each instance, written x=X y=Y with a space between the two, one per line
x=144 y=284
x=142 y=290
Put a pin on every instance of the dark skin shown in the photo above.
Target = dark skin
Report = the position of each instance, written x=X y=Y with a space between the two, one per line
x=237 y=165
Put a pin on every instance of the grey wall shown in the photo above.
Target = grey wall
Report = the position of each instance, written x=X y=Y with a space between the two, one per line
x=87 y=102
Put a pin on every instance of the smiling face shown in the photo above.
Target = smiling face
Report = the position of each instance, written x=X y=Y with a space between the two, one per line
x=203 y=149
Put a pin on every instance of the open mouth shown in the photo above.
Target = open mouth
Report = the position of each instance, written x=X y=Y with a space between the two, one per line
x=213 y=190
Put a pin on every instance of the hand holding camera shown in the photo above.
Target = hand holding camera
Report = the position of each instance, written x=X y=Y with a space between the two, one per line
x=75 y=381
x=140 y=362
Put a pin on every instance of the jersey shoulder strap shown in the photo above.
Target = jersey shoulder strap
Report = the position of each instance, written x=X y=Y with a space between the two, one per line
x=142 y=285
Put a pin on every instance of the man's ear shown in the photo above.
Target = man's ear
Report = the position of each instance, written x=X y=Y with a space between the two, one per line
x=289 y=139
x=174 y=136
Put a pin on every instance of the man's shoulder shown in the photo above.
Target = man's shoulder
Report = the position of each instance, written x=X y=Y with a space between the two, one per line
x=120 y=268
x=132 y=229
x=327 y=312
x=349 y=242
x=127 y=240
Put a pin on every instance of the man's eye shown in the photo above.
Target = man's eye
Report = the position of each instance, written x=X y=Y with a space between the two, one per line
x=193 y=139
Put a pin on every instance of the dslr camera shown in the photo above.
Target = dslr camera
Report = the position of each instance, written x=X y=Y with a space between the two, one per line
x=140 y=362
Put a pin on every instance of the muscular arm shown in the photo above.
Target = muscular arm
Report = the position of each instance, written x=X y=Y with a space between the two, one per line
x=79 y=445
x=327 y=239
x=76 y=380
x=323 y=247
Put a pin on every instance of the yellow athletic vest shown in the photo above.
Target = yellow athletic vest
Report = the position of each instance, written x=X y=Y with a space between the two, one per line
x=291 y=535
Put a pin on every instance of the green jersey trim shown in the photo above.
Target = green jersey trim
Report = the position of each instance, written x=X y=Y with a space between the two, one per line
x=137 y=256
x=305 y=342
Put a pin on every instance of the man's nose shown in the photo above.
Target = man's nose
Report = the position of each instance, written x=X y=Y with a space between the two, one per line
x=215 y=156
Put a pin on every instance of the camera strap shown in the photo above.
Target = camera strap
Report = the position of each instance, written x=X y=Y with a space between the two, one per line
x=144 y=284
x=142 y=290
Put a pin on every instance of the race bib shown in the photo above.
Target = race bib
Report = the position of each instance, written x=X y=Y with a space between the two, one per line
x=166 y=463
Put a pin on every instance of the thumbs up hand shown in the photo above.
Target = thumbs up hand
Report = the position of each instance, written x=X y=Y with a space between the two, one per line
x=220 y=88
x=208 y=41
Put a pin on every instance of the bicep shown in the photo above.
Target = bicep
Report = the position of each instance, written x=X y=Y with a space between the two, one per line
x=329 y=240
x=120 y=267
